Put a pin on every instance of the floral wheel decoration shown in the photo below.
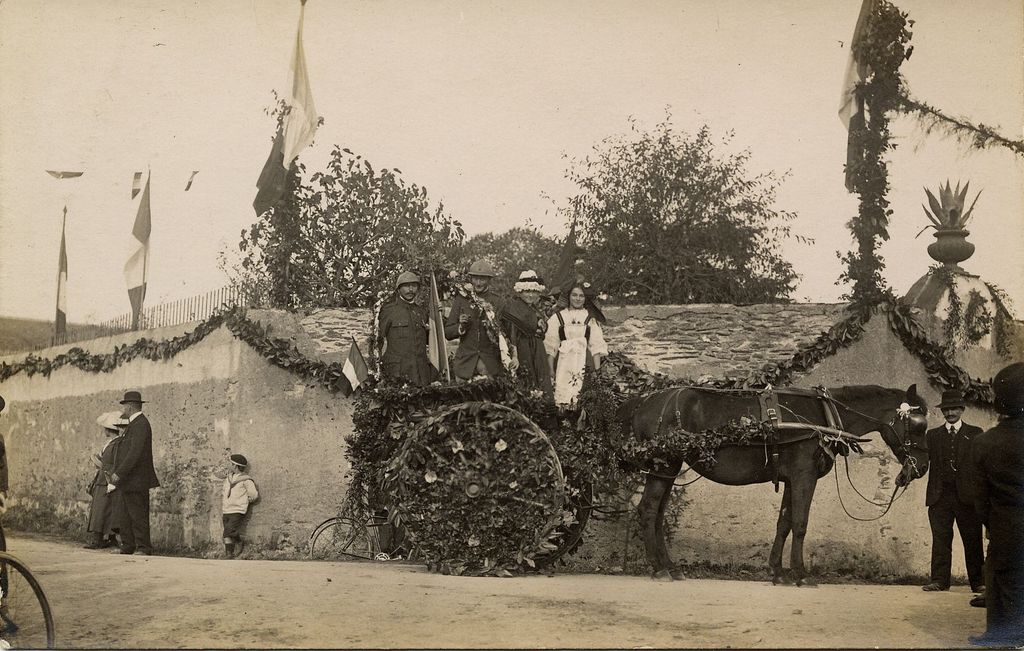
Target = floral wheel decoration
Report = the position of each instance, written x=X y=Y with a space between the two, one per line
x=479 y=488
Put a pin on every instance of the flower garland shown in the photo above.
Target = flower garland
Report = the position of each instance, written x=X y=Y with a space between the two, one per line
x=490 y=321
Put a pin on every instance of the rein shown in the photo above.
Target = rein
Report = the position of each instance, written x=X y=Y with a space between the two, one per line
x=888 y=506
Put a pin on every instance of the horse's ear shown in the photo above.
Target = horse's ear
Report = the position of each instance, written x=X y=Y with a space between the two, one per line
x=912 y=394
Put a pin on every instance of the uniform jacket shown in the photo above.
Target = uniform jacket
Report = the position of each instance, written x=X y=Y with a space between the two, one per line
x=403 y=327
x=998 y=491
x=474 y=345
x=238 y=493
x=962 y=455
x=134 y=463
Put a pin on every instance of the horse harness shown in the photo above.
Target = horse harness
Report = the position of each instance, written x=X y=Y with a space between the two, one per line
x=833 y=439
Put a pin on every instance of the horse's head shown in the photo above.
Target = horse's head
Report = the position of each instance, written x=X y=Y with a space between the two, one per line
x=900 y=417
x=905 y=435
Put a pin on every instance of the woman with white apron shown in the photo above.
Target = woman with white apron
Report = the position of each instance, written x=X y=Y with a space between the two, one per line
x=574 y=341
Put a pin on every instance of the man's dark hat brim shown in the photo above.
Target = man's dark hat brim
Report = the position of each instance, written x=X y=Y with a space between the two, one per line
x=951 y=399
x=132 y=396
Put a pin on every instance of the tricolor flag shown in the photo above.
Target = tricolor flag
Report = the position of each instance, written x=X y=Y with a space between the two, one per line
x=437 y=345
x=354 y=370
x=295 y=131
x=61 y=320
x=135 y=270
x=851 y=108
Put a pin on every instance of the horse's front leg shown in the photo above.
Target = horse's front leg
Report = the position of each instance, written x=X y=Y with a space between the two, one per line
x=782 y=529
x=661 y=538
x=651 y=511
x=803 y=493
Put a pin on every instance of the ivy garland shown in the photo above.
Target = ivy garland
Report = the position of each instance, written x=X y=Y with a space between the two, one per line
x=979 y=136
x=882 y=49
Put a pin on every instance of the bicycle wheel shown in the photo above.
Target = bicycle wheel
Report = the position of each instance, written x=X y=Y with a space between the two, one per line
x=25 y=618
x=339 y=539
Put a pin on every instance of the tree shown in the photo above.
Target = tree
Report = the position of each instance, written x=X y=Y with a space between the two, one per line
x=664 y=218
x=511 y=252
x=343 y=238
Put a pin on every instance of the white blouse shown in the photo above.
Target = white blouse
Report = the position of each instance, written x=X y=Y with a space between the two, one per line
x=575 y=328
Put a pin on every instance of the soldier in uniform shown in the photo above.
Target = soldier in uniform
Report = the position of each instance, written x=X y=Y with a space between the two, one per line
x=404 y=331
x=479 y=352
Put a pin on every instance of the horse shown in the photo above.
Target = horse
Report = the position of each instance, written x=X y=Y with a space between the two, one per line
x=795 y=459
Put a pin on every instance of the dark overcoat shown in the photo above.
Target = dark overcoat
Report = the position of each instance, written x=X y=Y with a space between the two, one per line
x=133 y=465
x=998 y=491
x=403 y=329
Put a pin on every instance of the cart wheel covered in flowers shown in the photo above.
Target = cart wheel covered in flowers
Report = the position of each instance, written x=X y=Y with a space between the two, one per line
x=471 y=472
x=479 y=487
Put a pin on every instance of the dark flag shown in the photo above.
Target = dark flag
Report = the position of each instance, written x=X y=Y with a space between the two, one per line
x=135 y=270
x=565 y=273
x=273 y=178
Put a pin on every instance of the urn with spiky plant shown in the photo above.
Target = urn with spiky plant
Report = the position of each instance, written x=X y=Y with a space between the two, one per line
x=949 y=219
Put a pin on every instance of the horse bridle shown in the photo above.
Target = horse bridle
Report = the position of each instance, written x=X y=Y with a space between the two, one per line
x=905 y=442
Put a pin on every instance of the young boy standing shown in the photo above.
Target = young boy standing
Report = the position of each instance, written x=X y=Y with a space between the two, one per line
x=239 y=492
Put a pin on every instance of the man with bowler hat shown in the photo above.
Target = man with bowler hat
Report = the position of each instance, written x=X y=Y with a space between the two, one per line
x=402 y=325
x=948 y=496
x=134 y=476
x=998 y=483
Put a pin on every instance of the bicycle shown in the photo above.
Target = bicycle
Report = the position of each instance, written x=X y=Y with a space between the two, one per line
x=26 y=621
x=373 y=540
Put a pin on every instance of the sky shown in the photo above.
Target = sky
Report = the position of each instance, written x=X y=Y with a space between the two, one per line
x=484 y=103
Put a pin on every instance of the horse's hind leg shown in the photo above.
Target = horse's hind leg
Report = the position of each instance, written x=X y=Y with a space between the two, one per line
x=650 y=511
x=662 y=539
x=803 y=493
x=782 y=529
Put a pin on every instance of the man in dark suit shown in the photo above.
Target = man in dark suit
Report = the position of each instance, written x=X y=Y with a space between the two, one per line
x=479 y=351
x=133 y=477
x=402 y=325
x=998 y=492
x=949 y=496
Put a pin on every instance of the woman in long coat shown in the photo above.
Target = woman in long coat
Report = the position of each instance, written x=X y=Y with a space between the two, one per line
x=527 y=325
x=102 y=519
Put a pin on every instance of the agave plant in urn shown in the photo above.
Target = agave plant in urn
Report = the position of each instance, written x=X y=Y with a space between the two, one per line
x=949 y=219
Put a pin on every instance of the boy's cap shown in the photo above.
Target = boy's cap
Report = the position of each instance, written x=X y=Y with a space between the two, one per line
x=239 y=460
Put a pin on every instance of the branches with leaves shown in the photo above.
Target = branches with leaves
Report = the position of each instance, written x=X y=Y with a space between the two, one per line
x=979 y=136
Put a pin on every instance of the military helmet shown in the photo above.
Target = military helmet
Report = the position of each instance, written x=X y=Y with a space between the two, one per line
x=406 y=278
x=482 y=268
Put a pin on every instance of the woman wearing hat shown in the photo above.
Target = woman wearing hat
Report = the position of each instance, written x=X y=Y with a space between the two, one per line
x=527 y=324
x=998 y=473
x=102 y=521
x=948 y=496
x=574 y=342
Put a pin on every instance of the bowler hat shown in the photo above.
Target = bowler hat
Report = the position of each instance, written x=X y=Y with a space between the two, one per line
x=951 y=398
x=132 y=396
x=406 y=278
x=239 y=460
x=1008 y=386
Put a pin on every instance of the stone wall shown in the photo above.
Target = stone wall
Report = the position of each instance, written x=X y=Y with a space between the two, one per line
x=213 y=399
x=220 y=397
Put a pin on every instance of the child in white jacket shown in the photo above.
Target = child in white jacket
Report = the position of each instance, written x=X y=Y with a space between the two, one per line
x=239 y=492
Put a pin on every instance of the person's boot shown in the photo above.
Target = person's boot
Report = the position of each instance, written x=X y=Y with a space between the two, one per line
x=239 y=546
x=95 y=542
x=229 y=550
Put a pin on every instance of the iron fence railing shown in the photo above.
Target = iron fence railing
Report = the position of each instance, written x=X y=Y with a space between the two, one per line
x=184 y=310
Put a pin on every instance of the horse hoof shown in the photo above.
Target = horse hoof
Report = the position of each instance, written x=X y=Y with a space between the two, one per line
x=662 y=575
x=677 y=574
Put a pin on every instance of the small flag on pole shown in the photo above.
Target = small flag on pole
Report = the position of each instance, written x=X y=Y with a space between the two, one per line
x=135 y=270
x=294 y=133
x=437 y=345
x=188 y=185
x=851 y=108
x=355 y=369
x=60 y=327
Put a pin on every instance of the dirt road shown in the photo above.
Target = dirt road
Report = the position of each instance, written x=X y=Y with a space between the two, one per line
x=105 y=600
